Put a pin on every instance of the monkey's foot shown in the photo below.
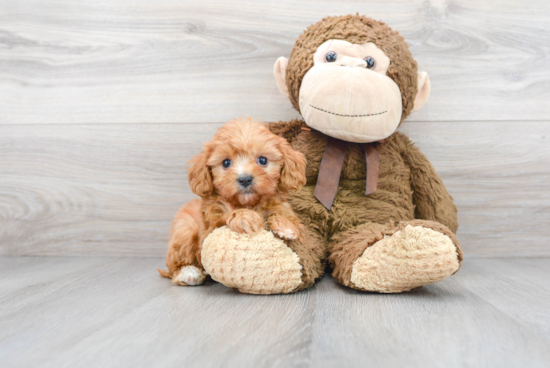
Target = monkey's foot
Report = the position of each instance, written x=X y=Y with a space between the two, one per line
x=253 y=264
x=412 y=257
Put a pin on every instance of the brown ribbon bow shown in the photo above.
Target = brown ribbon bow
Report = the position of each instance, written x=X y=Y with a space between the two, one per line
x=331 y=169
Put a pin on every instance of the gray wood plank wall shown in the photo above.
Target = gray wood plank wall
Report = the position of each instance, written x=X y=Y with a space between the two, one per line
x=102 y=103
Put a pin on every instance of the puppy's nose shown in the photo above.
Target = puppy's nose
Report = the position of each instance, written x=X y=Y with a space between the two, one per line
x=245 y=181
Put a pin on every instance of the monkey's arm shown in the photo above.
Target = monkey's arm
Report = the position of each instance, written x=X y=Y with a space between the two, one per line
x=287 y=129
x=431 y=198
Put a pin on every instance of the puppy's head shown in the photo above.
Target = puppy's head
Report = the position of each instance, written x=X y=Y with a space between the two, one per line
x=245 y=162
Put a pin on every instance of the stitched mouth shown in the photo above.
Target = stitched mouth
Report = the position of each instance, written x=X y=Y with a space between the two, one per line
x=350 y=116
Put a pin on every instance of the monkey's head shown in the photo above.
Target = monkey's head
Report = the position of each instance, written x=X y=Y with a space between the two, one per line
x=352 y=78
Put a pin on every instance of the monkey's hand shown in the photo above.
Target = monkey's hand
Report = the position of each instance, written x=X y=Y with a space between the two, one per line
x=283 y=228
x=244 y=221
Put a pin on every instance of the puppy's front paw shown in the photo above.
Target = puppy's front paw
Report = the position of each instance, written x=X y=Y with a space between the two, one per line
x=287 y=234
x=283 y=228
x=245 y=221
x=190 y=276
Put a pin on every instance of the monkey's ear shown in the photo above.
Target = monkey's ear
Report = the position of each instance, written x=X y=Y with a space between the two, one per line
x=200 y=179
x=423 y=91
x=279 y=69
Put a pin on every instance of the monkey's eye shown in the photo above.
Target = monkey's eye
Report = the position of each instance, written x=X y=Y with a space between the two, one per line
x=331 y=57
x=262 y=160
x=370 y=62
x=226 y=163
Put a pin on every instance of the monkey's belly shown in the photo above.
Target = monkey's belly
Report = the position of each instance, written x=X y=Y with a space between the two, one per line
x=351 y=207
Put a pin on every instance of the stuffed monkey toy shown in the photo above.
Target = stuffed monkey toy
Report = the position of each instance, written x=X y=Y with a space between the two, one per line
x=379 y=212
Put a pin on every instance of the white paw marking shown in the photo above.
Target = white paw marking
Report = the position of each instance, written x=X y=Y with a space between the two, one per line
x=191 y=275
x=285 y=234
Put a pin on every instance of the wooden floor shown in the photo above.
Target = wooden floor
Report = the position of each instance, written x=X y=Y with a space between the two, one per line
x=117 y=312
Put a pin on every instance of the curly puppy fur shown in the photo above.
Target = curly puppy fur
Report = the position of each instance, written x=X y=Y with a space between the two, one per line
x=216 y=175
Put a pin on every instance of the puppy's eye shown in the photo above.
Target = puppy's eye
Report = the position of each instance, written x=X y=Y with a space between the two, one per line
x=331 y=57
x=262 y=160
x=370 y=62
x=226 y=163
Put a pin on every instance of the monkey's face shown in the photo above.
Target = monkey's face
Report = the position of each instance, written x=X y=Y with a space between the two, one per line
x=347 y=95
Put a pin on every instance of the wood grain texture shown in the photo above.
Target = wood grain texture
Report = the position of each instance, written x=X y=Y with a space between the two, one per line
x=448 y=324
x=113 y=189
x=90 y=162
x=498 y=175
x=168 y=61
x=119 y=313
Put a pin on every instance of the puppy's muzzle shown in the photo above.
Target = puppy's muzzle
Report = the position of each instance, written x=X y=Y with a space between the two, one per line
x=245 y=181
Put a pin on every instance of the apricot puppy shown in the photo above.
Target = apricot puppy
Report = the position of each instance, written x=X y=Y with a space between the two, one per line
x=243 y=176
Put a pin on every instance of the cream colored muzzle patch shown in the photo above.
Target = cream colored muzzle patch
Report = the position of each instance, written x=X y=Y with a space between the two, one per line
x=258 y=264
x=350 y=103
x=412 y=257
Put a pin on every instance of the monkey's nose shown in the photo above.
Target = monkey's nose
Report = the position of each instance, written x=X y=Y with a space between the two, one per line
x=245 y=181
x=353 y=62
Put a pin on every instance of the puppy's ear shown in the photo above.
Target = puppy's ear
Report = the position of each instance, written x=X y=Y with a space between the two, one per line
x=293 y=173
x=199 y=176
